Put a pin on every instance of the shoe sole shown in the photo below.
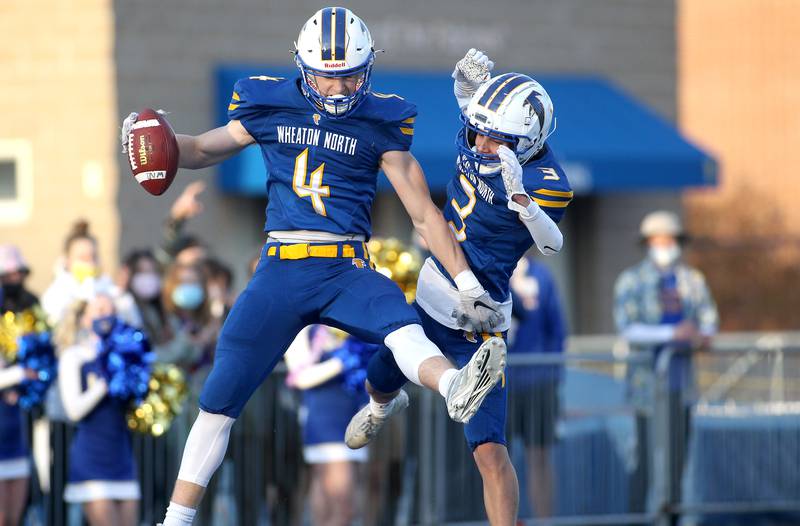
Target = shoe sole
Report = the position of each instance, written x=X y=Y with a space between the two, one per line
x=356 y=440
x=487 y=367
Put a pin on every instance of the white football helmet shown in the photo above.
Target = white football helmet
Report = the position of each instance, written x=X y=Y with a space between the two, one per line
x=512 y=108
x=334 y=43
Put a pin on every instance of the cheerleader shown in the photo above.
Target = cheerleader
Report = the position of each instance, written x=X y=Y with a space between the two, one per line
x=14 y=455
x=318 y=362
x=101 y=468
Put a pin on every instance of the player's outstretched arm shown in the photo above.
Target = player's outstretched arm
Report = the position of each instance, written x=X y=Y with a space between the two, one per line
x=213 y=146
x=479 y=311
x=408 y=180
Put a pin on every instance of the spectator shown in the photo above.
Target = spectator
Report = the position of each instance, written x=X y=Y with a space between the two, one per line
x=141 y=278
x=219 y=288
x=101 y=467
x=663 y=304
x=187 y=310
x=14 y=270
x=319 y=363
x=78 y=277
x=533 y=399
x=177 y=246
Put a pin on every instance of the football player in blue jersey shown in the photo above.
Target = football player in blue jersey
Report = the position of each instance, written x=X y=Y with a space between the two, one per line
x=508 y=193
x=324 y=136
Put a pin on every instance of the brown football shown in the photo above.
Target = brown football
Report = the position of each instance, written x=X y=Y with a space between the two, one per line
x=153 y=152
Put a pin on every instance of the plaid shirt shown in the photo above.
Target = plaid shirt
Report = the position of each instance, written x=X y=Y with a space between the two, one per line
x=636 y=297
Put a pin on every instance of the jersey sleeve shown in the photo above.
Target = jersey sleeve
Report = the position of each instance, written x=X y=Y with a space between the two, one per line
x=548 y=186
x=397 y=125
x=250 y=101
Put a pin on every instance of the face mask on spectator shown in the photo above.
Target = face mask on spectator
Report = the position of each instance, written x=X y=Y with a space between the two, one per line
x=12 y=290
x=146 y=285
x=102 y=326
x=82 y=271
x=665 y=256
x=188 y=296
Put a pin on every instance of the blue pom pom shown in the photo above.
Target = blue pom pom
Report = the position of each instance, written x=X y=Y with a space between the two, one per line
x=35 y=351
x=125 y=360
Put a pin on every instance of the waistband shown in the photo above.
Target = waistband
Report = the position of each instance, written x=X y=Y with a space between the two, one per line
x=342 y=249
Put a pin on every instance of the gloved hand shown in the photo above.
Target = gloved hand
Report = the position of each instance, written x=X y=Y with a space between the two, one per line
x=511 y=171
x=127 y=126
x=470 y=72
x=477 y=310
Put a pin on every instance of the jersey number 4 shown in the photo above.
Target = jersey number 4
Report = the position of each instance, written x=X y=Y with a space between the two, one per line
x=314 y=188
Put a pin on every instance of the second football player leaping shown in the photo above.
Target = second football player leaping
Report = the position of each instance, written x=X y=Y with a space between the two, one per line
x=324 y=136
x=508 y=193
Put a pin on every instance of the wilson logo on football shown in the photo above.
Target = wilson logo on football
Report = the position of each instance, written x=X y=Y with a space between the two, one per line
x=150 y=176
x=143 y=149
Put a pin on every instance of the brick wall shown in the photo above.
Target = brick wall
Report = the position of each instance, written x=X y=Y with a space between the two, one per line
x=57 y=96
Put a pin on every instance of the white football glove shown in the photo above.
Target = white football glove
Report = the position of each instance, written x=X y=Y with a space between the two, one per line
x=127 y=126
x=511 y=171
x=477 y=311
x=470 y=72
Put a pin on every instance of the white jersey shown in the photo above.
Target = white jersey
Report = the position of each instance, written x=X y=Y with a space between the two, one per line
x=439 y=298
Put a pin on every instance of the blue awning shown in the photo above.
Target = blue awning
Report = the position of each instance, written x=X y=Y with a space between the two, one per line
x=607 y=140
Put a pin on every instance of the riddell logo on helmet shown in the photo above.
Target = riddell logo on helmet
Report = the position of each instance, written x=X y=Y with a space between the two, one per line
x=335 y=64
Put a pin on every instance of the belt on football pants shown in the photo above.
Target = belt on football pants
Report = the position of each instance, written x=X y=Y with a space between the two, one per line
x=313 y=250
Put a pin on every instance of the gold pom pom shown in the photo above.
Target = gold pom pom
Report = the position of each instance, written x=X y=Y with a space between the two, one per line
x=13 y=325
x=164 y=400
x=395 y=260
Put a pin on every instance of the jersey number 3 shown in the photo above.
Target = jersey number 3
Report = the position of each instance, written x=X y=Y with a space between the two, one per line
x=314 y=188
x=463 y=211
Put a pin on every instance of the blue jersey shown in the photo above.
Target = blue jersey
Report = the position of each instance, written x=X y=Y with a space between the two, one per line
x=322 y=171
x=492 y=236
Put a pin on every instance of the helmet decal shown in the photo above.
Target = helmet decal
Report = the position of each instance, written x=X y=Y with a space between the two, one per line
x=535 y=106
x=333 y=33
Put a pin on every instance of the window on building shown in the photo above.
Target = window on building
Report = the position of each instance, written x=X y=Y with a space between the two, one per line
x=16 y=181
x=8 y=179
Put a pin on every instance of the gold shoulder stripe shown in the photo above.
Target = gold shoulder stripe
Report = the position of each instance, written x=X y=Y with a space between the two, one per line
x=407 y=131
x=265 y=77
x=386 y=95
x=554 y=193
x=551 y=204
x=232 y=107
x=409 y=120
x=235 y=96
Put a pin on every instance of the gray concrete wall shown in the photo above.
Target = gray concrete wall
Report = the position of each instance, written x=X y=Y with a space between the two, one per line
x=165 y=54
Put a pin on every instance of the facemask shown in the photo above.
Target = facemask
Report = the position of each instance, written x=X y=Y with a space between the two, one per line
x=487 y=168
x=104 y=325
x=82 y=271
x=188 y=296
x=146 y=285
x=665 y=256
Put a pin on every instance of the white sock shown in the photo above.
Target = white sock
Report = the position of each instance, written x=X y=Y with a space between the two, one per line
x=446 y=380
x=378 y=409
x=178 y=515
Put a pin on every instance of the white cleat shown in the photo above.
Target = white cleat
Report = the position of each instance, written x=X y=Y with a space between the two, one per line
x=364 y=426
x=476 y=380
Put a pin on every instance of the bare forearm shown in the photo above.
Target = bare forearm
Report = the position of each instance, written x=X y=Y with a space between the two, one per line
x=213 y=146
x=194 y=157
x=437 y=234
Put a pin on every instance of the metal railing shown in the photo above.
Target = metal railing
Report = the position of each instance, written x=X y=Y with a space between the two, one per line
x=626 y=447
